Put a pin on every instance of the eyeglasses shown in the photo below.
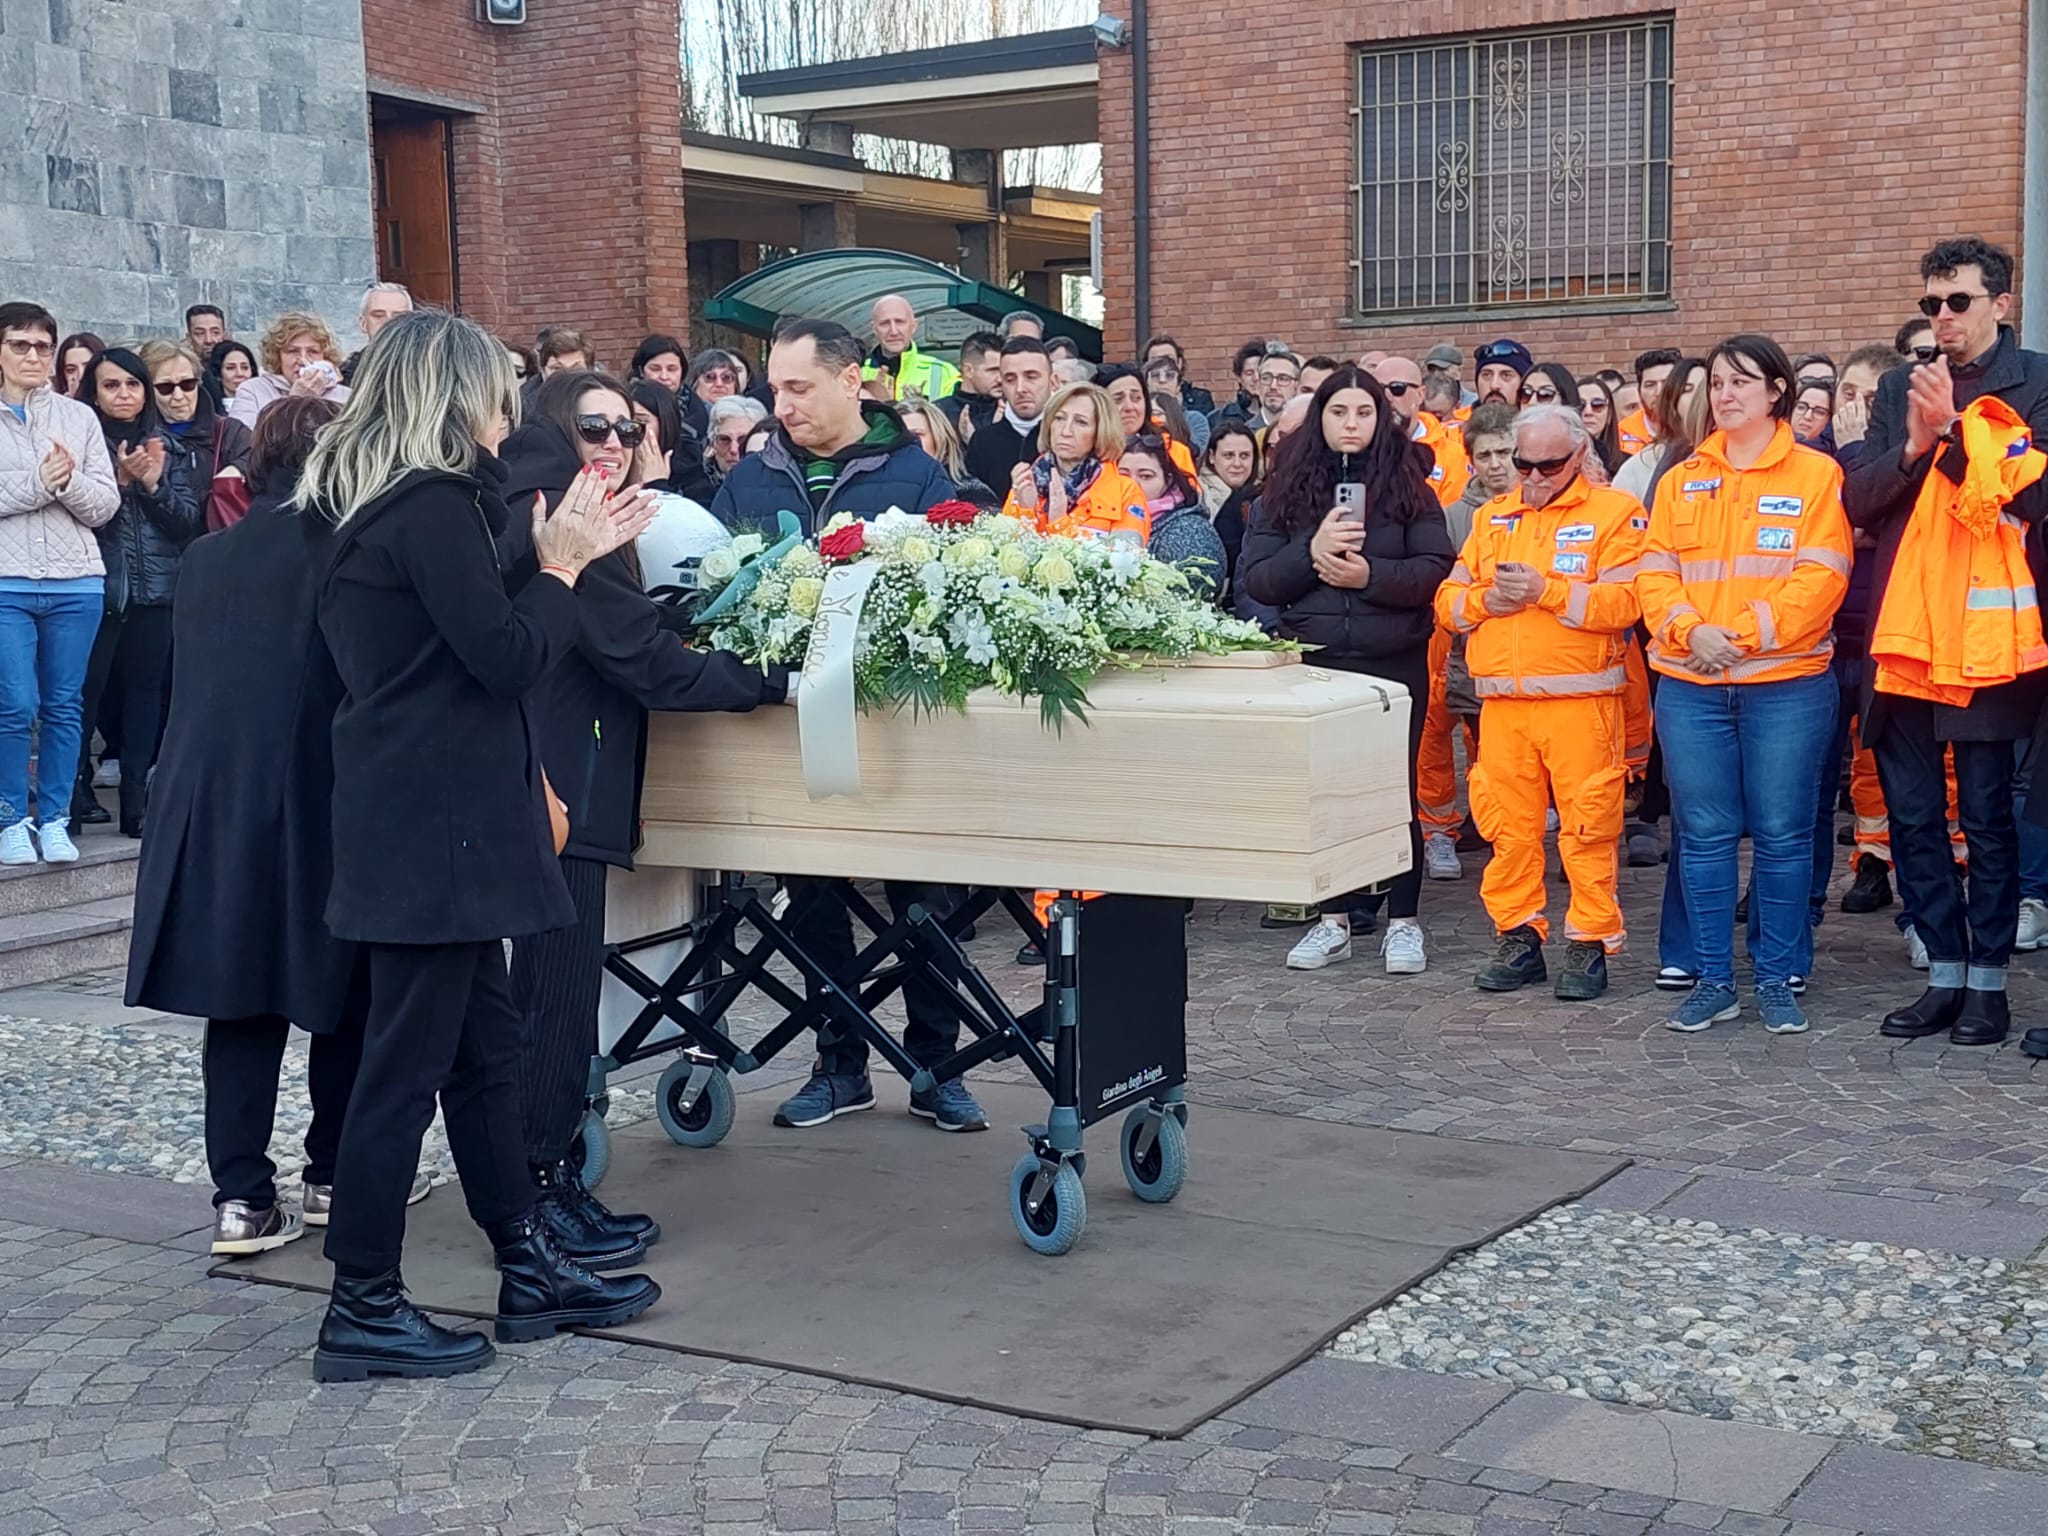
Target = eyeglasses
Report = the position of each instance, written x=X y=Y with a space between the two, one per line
x=1545 y=395
x=169 y=387
x=1544 y=467
x=21 y=347
x=1399 y=391
x=1803 y=409
x=1958 y=303
x=1279 y=378
x=595 y=429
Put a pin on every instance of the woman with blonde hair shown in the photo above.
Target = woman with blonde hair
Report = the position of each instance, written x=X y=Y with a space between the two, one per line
x=299 y=356
x=937 y=435
x=443 y=845
x=1073 y=485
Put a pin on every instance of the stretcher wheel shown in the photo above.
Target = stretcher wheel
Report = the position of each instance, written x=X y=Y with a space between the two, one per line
x=1056 y=1225
x=1159 y=1174
x=591 y=1151
x=709 y=1117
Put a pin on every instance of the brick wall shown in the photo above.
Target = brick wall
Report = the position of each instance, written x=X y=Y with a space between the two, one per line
x=568 y=186
x=183 y=152
x=1816 y=154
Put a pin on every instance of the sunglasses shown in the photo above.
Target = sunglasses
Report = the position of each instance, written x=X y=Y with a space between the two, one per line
x=1958 y=303
x=1397 y=391
x=595 y=429
x=1544 y=466
x=1543 y=396
x=169 y=387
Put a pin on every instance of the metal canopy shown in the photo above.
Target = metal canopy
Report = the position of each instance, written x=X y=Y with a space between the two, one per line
x=843 y=285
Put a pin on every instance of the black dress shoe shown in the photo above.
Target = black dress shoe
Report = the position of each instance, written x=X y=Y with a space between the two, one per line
x=2035 y=1044
x=89 y=813
x=371 y=1329
x=628 y=1225
x=540 y=1291
x=1931 y=1013
x=1986 y=1019
x=580 y=1239
x=1872 y=889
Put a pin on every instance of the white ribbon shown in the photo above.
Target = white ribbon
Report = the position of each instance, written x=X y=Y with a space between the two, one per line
x=824 y=691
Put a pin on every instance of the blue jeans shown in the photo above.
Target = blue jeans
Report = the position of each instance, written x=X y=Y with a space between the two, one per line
x=2033 y=839
x=45 y=640
x=1676 y=948
x=1745 y=757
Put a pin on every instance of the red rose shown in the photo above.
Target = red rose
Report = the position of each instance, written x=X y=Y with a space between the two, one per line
x=846 y=543
x=951 y=514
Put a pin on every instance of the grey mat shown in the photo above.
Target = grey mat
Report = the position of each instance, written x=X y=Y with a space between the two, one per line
x=877 y=1250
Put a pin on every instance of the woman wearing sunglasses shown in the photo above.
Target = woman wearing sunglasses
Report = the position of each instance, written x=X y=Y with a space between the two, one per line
x=1596 y=410
x=208 y=451
x=1747 y=559
x=590 y=716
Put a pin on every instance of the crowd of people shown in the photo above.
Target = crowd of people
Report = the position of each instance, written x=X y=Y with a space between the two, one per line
x=287 y=590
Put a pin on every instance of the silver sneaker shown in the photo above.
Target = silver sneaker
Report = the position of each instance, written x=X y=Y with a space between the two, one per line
x=240 y=1228
x=1916 y=949
x=2033 y=926
x=1440 y=859
x=318 y=1199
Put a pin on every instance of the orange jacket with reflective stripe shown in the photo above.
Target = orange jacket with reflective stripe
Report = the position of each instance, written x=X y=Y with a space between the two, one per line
x=1960 y=612
x=1762 y=552
x=1453 y=468
x=1635 y=433
x=1112 y=501
x=1573 y=640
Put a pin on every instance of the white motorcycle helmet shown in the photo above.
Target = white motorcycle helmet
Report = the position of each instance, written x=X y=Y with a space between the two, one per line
x=681 y=534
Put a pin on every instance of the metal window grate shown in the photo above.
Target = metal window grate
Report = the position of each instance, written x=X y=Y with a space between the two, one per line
x=1514 y=169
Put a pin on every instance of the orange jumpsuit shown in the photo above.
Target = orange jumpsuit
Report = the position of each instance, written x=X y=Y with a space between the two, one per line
x=1436 y=763
x=1634 y=431
x=1550 y=677
x=1113 y=502
x=1453 y=466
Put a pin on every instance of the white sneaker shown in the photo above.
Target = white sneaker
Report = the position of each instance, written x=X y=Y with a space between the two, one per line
x=108 y=774
x=55 y=837
x=1401 y=948
x=1916 y=951
x=2033 y=929
x=16 y=846
x=1325 y=944
x=1440 y=859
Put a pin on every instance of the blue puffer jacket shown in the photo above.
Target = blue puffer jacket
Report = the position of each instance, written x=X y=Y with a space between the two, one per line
x=873 y=476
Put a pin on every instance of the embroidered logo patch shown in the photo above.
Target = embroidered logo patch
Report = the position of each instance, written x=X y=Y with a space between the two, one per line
x=1569 y=564
x=1506 y=519
x=1576 y=533
x=1695 y=487
x=1639 y=523
x=1778 y=540
x=1436 y=472
x=1780 y=506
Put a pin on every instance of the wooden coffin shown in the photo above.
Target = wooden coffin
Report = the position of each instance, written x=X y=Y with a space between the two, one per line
x=1252 y=777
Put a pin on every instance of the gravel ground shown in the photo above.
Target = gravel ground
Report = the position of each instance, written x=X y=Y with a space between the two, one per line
x=1931 y=1352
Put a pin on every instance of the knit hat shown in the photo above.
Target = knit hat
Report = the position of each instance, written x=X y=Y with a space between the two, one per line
x=1507 y=351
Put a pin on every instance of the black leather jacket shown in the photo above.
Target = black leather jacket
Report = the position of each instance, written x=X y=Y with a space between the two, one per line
x=141 y=543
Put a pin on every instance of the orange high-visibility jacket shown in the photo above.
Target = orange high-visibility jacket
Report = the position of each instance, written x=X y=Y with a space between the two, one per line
x=1176 y=450
x=1634 y=431
x=1572 y=642
x=1453 y=468
x=1762 y=552
x=1960 y=612
x=1113 y=501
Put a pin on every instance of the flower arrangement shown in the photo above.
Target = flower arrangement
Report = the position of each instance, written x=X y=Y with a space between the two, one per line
x=962 y=600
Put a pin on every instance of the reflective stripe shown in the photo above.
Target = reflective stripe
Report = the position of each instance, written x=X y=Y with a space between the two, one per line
x=1769 y=567
x=1575 y=602
x=1766 y=626
x=1557 y=685
x=1460 y=621
x=1743 y=671
x=2005 y=598
x=1460 y=572
x=1620 y=573
x=1690 y=571
x=1814 y=554
x=1662 y=560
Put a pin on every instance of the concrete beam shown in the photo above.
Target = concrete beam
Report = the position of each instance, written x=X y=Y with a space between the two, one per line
x=826 y=226
x=828 y=137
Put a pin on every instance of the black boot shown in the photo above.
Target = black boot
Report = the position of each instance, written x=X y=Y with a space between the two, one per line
x=627 y=1225
x=541 y=1292
x=86 y=810
x=371 y=1329
x=580 y=1239
x=1583 y=975
x=2035 y=1043
x=1517 y=961
x=1986 y=1019
x=1933 y=1012
x=1872 y=888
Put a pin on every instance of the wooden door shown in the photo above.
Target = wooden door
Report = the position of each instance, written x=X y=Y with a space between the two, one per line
x=415 y=220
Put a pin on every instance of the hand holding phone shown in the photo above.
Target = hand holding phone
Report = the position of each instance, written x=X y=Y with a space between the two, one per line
x=1351 y=502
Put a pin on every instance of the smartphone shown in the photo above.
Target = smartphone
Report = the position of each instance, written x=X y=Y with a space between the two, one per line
x=1514 y=567
x=1926 y=354
x=1351 y=502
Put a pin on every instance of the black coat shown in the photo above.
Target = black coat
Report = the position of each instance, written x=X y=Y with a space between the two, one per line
x=1384 y=624
x=1879 y=491
x=215 y=443
x=440 y=829
x=998 y=448
x=141 y=543
x=231 y=890
x=590 y=710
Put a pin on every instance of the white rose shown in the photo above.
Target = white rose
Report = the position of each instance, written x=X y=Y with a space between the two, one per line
x=719 y=566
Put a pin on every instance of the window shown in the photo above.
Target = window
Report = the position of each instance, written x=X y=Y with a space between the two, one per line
x=1515 y=169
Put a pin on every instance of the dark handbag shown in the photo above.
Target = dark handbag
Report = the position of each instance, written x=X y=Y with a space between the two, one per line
x=228 y=496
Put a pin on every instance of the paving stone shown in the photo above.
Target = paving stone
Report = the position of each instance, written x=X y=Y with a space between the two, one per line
x=2002 y=1230
x=1407 y=1410
x=1892 y=1493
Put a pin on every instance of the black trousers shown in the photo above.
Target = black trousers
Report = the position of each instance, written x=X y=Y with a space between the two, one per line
x=441 y=1022
x=556 y=981
x=1402 y=894
x=931 y=1034
x=133 y=646
x=239 y=1064
x=1958 y=929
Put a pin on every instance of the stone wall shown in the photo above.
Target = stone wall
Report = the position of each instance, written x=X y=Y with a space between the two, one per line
x=177 y=152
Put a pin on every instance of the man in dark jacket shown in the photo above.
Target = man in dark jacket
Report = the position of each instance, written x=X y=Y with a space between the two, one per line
x=1012 y=438
x=1194 y=399
x=835 y=453
x=979 y=393
x=1912 y=428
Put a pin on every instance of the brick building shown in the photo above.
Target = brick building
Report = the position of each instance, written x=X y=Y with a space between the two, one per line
x=1591 y=176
